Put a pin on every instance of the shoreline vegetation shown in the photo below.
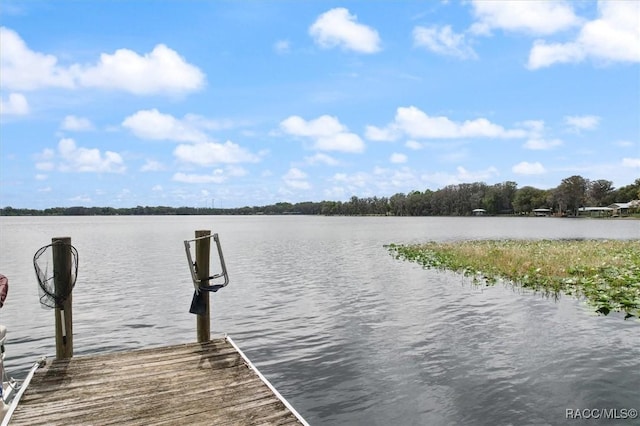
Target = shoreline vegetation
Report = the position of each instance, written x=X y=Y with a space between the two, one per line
x=464 y=199
x=606 y=273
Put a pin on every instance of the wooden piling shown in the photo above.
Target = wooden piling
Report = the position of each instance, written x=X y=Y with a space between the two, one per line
x=203 y=251
x=62 y=263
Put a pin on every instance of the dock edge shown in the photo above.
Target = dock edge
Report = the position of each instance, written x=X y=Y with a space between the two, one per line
x=265 y=381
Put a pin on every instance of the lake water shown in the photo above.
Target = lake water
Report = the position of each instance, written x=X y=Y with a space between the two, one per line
x=348 y=334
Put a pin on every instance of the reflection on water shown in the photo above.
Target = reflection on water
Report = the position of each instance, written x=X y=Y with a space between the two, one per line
x=348 y=334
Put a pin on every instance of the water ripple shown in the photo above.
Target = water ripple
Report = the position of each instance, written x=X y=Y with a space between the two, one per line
x=348 y=334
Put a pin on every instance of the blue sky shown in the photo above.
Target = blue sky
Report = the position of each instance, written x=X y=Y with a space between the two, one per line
x=225 y=103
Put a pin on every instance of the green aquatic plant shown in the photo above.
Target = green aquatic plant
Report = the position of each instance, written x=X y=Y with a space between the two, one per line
x=605 y=272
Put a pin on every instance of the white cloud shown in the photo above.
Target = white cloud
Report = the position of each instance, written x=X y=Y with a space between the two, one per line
x=125 y=192
x=46 y=154
x=154 y=125
x=23 y=69
x=201 y=122
x=282 y=46
x=152 y=166
x=209 y=153
x=322 y=126
x=82 y=199
x=480 y=175
x=360 y=184
x=298 y=184
x=537 y=140
x=381 y=180
x=295 y=173
x=542 y=144
x=545 y=54
x=624 y=144
x=16 y=104
x=631 y=162
x=345 y=142
x=41 y=176
x=327 y=133
x=79 y=159
x=403 y=179
x=236 y=171
x=374 y=133
x=45 y=166
x=444 y=41
x=539 y=17
x=536 y=127
x=526 y=168
x=296 y=179
x=354 y=180
x=337 y=27
x=582 y=122
x=413 y=145
x=217 y=176
x=613 y=37
x=320 y=158
x=391 y=180
x=398 y=158
x=335 y=193
x=454 y=156
x=157 y=188
x=76 y=124
x=72 y=158
x=462 y=175
x=160 y=71
x=416 y=124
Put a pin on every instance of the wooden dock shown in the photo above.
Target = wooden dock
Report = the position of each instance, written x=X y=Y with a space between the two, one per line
x=210 y=383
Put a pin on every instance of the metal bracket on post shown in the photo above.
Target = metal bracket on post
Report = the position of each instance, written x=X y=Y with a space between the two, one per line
x=204 y=283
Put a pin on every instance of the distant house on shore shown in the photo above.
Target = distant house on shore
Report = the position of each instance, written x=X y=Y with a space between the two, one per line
x=622 y=209
x=541 y=212
x=595 y=211
x=479 y=212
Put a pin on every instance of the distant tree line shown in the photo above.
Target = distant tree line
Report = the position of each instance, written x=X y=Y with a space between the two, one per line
x=452 y=200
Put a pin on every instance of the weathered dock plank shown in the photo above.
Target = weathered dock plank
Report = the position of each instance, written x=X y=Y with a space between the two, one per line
x=207 y=383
